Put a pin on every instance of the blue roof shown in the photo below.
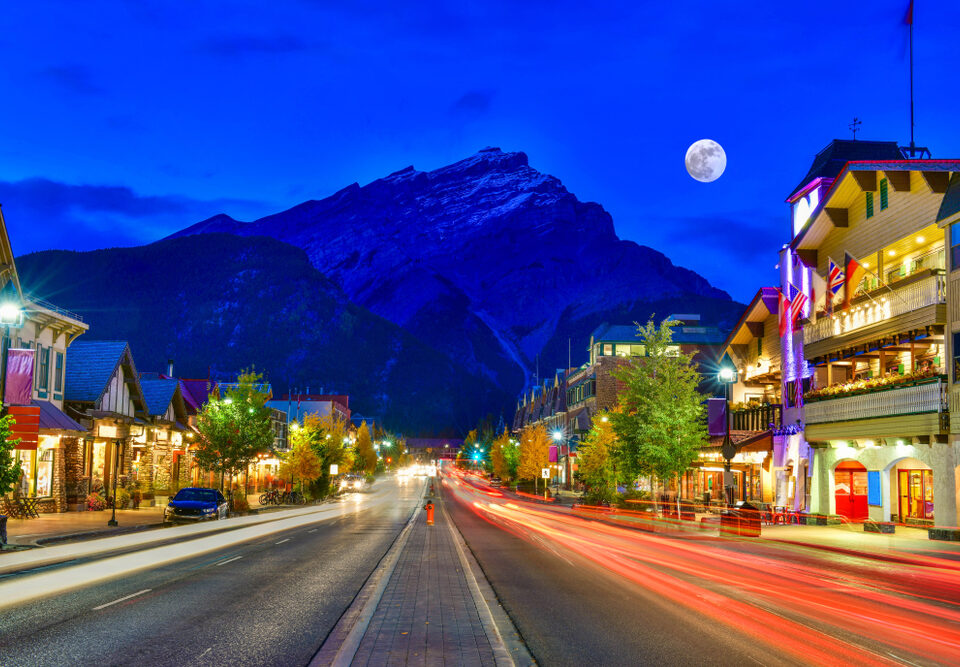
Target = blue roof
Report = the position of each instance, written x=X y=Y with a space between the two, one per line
x=627 y=333
x=158 y=394
x=90 y=365
x=54 y=419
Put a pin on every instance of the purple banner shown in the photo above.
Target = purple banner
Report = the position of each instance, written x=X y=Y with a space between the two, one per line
x=553 y=453
x=19 y=380
x=716 y=416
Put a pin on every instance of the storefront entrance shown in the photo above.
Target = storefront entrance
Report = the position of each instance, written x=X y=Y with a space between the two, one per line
x=916 y=494
x=850 y=479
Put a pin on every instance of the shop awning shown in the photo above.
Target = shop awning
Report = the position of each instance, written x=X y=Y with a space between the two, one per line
x=53 y=418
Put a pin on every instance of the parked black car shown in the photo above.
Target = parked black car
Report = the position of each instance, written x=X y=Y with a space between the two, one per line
x=196 y=504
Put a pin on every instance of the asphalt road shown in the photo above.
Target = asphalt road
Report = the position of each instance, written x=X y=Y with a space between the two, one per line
x=570 y=612
x=269 y=601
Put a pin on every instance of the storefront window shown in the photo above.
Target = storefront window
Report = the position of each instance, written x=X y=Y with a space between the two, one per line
x=916 y=494
x=45 y=473
x=27 y=470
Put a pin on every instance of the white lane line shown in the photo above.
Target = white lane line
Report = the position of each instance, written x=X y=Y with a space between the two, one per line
x=205 y=652
x=125 y=597
x=229 y=560
x=312 y=531
x=282 y=541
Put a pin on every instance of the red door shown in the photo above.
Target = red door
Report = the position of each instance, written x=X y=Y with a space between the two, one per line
x=850 y=481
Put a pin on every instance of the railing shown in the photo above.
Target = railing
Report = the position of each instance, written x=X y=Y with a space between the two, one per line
x=884 y=305
x=49 y=306
x=930 y=396
x=932 y=259
x=760 y=418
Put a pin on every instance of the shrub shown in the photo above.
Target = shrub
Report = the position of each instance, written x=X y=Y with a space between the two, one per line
x=238 y=502
x=123 y=499
x=96 y=502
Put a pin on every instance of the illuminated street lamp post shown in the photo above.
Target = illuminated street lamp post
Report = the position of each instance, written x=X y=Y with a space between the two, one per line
x=728 y=375
x=558 y=438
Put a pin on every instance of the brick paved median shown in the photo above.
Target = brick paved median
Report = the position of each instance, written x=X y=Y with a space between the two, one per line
x=427 y=615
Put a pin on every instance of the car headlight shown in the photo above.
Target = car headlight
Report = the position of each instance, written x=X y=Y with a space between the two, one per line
x=209 y=510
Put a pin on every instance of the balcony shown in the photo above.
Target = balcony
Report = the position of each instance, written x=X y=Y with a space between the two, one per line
x=884 y=307
x=760 y=418
x=924 y=398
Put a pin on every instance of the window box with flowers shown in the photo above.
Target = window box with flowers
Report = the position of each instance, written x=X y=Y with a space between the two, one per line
x=871 y=385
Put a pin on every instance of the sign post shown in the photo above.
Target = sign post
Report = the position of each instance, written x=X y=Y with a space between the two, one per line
x=545 y=473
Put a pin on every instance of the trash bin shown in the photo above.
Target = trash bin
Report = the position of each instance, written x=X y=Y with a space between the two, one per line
x=743 y=519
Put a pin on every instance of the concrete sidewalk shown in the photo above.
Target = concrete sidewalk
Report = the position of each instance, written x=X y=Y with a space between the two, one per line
x=51 y=527
x=853 y=537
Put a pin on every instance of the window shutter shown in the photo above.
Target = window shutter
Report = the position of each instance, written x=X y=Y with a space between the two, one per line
x=884 y=198
x=869 y=204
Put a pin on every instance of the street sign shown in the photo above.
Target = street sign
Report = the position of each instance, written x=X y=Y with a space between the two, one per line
x=334 y=469
x=545 y=473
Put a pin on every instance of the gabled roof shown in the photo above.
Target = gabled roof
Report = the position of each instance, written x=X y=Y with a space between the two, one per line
x=197 y=392
x=158 y=394
x=53 y=418
x=91 y=365
x=830 y=161
x=845 y=186
x=761 y=306
x=950 y=205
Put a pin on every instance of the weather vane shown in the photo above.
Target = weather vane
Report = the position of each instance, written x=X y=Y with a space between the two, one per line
x=854 y=127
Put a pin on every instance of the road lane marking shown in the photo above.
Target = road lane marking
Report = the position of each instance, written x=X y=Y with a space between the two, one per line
x=205 y=652
x=229 y=560
x=282 y=541
x=312 y=531
x=125 y=597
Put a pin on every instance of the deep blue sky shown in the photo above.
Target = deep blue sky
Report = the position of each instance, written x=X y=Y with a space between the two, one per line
x=121 y=122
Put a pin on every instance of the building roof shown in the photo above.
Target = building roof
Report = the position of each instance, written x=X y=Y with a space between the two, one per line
x=436 y=443
x=92 y=364
x=950 y=205
x=158 y=394
x=763 y=304
x=830 y=161
x=623 y=333
x=196 y=392
x=53 y=418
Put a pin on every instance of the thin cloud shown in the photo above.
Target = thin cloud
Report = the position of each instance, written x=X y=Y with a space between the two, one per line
x=472 y=103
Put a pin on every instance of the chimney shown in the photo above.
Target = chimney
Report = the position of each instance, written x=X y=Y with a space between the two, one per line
x=170 y=368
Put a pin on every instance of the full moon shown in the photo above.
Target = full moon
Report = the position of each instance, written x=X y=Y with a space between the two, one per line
x=706 y=160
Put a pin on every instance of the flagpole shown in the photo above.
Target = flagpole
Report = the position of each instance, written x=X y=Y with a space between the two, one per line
x=912 y=145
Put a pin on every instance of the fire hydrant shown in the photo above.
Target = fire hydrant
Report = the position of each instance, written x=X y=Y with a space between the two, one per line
x=429 y=508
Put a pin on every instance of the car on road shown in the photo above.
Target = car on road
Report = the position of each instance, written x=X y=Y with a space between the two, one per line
x=353 y=483
x=496 y=481
x=196 y=504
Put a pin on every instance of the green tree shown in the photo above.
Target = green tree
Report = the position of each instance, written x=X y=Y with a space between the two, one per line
x=366 y=456
x=235 y=428
x=596 y=457
x=660 y=424
x=9 y=464
x=329 y=437
x=534 y=453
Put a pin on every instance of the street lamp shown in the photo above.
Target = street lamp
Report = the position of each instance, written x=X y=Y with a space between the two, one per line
x=727 y=375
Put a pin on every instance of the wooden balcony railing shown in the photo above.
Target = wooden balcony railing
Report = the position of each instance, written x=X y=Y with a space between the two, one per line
x=929 y=396
x=887 y=304
x=759 y=418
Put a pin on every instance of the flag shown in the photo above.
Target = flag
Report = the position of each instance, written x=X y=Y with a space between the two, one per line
x=798 y=302
x=908 y=17
x=818 y=291
x=784 y=313
x=854 y=274
x=834 y=278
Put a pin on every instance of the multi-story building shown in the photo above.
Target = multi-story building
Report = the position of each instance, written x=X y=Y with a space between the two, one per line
x=296 y=406
x=160 y=459
x=36 y=338
x=868 y=377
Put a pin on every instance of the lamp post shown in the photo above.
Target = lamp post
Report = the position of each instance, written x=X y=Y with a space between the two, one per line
x=116 y=466
x=728 y=375
x=558 y=438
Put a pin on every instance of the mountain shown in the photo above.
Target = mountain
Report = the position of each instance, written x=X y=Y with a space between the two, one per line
x=487 y=260
x=228 y=301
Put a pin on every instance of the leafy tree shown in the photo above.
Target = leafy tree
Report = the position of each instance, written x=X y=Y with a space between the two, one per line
x=330 y=440
x=9 y=464
x=596 y=459
x=534 y=452
x=499 y=449
x=511 y=454
x=235 y=428
x=366 y=456
x=660 y=425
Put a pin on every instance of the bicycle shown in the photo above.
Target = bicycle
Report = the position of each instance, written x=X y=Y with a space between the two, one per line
x=271 y=497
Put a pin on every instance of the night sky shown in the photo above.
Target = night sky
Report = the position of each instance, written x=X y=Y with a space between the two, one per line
x=122 y=122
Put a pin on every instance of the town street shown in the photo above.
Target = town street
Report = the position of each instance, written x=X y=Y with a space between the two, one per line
x=264 y=601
